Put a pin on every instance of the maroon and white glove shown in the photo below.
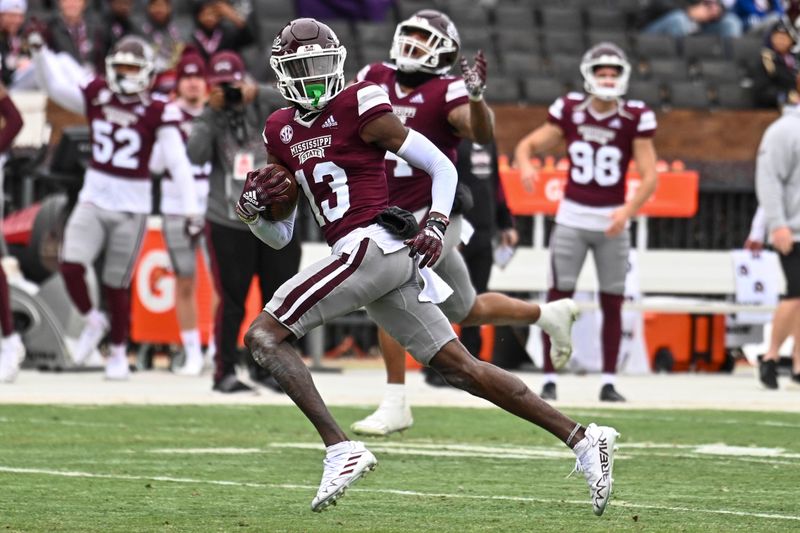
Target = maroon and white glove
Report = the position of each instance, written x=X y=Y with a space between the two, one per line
x=428 y=242
x=474 y=76
x=263 y=187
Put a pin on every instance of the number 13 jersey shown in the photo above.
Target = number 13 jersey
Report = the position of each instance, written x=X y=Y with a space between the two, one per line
x=123 y=131
x=599 y=149
x=343 y=177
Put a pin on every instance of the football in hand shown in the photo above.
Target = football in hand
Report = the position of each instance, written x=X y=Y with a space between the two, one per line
x=282 y=209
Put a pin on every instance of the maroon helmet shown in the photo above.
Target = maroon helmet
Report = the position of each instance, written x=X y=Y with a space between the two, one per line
x=135 y=52
x=427 y=42
x=309 y=62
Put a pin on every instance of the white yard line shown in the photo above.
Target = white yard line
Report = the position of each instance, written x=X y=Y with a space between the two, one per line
x=426 y=495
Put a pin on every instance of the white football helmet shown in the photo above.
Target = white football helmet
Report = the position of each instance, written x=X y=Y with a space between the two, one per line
x=309 y=62
x=130 y=51
x=437 y=54
x=605 y=55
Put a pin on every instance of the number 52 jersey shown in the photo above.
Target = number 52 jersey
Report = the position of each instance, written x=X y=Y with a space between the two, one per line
x=599 y=149
x=123 y=131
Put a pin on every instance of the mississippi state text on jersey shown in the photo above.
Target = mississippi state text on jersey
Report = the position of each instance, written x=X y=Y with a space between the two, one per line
x=599 y=146
x=425 y=109
x=342 y=177
x=123 y=129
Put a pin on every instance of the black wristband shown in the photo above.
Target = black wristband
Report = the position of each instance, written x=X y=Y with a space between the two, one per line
x=437 y=223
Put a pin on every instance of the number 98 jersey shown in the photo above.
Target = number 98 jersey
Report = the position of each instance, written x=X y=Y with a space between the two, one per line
x=599 y=147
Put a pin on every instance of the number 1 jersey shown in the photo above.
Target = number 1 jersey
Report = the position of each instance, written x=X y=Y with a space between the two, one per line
x=343 y=177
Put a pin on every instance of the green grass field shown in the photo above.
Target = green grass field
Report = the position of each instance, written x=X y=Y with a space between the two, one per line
x=256 y=468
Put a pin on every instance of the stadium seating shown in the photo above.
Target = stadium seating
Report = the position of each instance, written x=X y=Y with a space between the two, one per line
x=690 y=95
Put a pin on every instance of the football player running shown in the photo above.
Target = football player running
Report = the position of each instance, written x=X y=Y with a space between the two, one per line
x=445 y=109
x=191 y=93
x=125 y=121
x=333 y=139
x=602 y=132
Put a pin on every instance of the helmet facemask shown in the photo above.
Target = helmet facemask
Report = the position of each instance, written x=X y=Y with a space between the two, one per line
x=129 y=83
x=419 y=47
x=312 y=76
x=598 y=86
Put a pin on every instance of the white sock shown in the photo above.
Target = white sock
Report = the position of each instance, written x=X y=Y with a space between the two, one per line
x=211 y=350
x=339 y=447
x=118 y=352
x=395 y=394
x=608 y=379
x=550 y=377
x=191 y=344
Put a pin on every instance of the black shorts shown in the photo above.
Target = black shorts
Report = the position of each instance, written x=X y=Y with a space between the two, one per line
x=791 y=270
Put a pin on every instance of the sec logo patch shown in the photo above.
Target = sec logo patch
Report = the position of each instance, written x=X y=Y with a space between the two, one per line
x=286 y=134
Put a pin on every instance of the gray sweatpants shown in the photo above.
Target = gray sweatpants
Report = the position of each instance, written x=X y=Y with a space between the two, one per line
x=568 y=248
x=385 y=284
x=92 y=230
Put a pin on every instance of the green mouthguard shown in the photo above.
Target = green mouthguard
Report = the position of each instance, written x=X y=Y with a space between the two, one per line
x=315 y=90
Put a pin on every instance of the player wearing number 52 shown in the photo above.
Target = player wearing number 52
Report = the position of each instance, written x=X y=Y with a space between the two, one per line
x=228 y=134
x=125 y=121
x=601 y=132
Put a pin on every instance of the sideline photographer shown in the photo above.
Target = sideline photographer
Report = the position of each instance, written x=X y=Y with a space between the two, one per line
x=228 y=133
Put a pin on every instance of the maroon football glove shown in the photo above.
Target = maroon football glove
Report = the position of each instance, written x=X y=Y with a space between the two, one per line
x=263 y=187
x=428 y=242
x=475 y=75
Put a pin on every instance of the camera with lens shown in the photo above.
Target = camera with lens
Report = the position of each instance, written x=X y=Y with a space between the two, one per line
x=233 y=95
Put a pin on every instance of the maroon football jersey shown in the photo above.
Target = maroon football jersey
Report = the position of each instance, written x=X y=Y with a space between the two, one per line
x=124 y=129
x=343 y=178
x=425 y=110
x=599 y=147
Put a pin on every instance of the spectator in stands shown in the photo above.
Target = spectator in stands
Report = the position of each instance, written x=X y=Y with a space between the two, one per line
x=72 y=32
x=775 y=78
x=228 y=133
x=219 y=27
x=16 y=68
x=758 y=15
x=163 y=34
x=489 y=216
x=778 y=190
x=680 y=18
x=116 y=24
x=12 y=351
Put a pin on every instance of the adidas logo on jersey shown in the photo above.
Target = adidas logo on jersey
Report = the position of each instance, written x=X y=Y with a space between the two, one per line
x=417 y=99
x=330 y=122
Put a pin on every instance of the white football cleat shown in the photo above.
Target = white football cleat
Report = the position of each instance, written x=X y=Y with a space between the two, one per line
x=386 y=419
x=12 y=353
x=595 y=459
x=93 y=332
x=342 y=468
x=192 y=368
x=117 y=369
x=556 y=319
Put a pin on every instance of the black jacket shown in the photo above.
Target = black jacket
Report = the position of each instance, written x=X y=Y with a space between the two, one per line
x=774 y=81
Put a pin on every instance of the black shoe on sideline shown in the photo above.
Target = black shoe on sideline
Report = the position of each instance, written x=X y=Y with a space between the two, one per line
x=434 y=379
x=609 y=394
x=230 y=384
x=768 y=374
x=548 y=391
x=269 y=382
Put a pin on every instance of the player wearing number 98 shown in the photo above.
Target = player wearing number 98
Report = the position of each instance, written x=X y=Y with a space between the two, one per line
x=125 y=121
x=601 y=131
x=333 y=140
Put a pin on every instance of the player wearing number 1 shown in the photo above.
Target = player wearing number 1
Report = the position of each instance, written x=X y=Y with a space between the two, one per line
x=125 y=121
x=601 y=131
x=333 y=140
